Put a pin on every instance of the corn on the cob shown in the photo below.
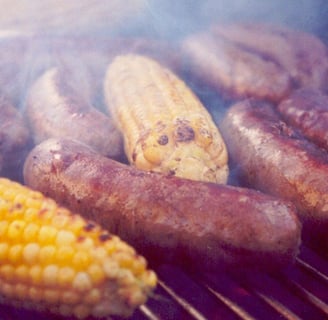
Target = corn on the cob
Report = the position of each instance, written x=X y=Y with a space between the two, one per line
x=53 y=260
x=165 y=126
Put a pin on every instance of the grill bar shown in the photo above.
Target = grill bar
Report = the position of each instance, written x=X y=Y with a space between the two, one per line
x=183 y=303
x=308 y=268
x=311 y=298
x=148 y=313
x=230 y=304
x=298 y=293
x=279 y=307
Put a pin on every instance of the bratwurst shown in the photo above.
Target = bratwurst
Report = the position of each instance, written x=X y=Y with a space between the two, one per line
x=307 y=110
x=54 y=108
x=233 y=71
x=273 y=158
x=197 y=224
x=302 y=55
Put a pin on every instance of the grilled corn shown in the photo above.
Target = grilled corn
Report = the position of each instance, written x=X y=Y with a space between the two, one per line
x=53 y=260
x=165 y=126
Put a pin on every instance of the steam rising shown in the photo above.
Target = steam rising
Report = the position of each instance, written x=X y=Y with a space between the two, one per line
x=171 y=17
x=159 y=19
x=63 y=17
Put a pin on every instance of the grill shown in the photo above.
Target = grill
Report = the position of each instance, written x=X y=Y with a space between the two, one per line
x=298 y=292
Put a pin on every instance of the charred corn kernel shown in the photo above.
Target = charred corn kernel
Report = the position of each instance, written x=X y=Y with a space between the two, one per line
x=165 y=126
x=51 y=259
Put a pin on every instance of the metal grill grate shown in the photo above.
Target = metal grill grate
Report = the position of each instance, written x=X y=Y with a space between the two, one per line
x=300 y=292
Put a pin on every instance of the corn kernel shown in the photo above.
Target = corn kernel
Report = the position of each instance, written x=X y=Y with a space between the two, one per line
x=65 y=238
x=8 y=290
x=31 y=253
x=65 y=276
x=4 y=247
x=22 y=273
x=110 y=268
x=51 y=296
x=47 y=234
x=3 y=229
x=15 y=253
x=36 y=274
x=64 y=254
x=31 y=214
x=35 y=294
x=82 y=282
x=21 y=291
x=7 y=271
x=30 y=232
x=70 y=297
x=50 y=273
x=15 y=229
x=81 y=260
x=47 y=254
x=9 y=195
x=60 y=221
x=96 y=273
x=92 y=297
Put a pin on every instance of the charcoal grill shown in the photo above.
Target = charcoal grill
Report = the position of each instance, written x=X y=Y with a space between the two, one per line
x=298 y=292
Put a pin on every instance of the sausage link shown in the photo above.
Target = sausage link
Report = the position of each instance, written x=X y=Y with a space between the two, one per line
x=273 y=158
x=198 y=224
x=307 y=110
x=55 y=109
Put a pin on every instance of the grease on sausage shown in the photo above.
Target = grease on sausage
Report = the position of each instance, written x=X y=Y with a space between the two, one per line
x=202 y=225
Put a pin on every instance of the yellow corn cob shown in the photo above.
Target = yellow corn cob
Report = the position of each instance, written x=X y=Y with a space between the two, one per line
x=165 y=126
x=53 y=260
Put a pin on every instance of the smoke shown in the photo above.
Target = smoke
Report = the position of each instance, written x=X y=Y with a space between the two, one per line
x=172 y=18
x=68 y=17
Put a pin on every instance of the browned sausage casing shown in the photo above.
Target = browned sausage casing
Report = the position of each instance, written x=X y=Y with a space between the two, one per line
x=168 y=218
x=302 y=55
x=233 y=71
x=275 y=159
x=55 y=109
x=307 y=110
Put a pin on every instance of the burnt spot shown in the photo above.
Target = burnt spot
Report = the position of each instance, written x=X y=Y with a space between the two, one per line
x=163 y=140
x=160 y=126
x=80 y=239
x=134 y=156
x=184 y=133
x=171 y=172
x=42 y=212
x=89 y=226
x=286 y=131
x=18 y=206
x=104 y=237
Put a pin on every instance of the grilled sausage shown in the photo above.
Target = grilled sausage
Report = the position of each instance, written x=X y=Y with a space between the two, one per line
x=274 y=158
x=233 y=71
x=302 y=55
x=55 y=109
x=198 y=224
x=15 y=140
x=307 y=110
